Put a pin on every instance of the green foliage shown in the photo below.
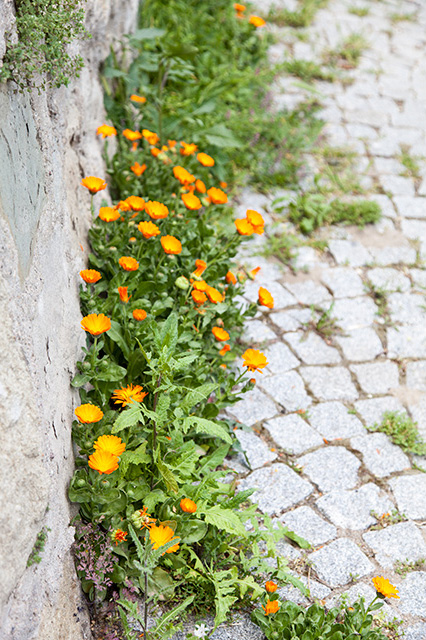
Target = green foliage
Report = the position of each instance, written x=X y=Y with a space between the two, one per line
x=402 y=430
x=411 y=163
x=308 y=70
x=402 y=568
x=34 y=557
x=302 y=17
x=39 y=58
x=348 y=53
x=323 y=323
x=359 y=11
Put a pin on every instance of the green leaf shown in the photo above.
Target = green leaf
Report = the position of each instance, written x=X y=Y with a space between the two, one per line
x=113 y=373
x=153 y=498
x=147 y=34
x=169 y=332
x=182 y=363
x=80 y=379
x=193 y=531
x=206 y=426
x=174 y=613
x=127 y=418
x=197 y=395
x=160 y=582
x=138 y=456
x=139 y=548
x=168 y=476
x=303 y=544
x=117 y=336
x=221 y=136
x=225 y=520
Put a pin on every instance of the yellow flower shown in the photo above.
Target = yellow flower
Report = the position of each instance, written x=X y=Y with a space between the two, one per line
x=88 y=413
x=188 y=149
x=126 y=395
x=136 y=98
x=171 y=245
x=94 y=184
x=191 y=201
x=220 y=334
x=385 y=588
x=156 y=210
x=108 y=214
x=112 y=444
x=198 y=297
x=230 y=278
x=256 y=21
x=214 y=295
x=200 y=267
x=244 y=227
x=150 y=136
x=148 y=229
x=96 y=324
x=188 y=505
x=200 y=285
x=265 y=298
x=205 y=160
x=256 y=220
x=224 y=349
x=254 y=360
x=132 y=135
x=181 y=174
x=200 y=186
x=270 y=586
x=217 y=196
x=105 y=131
x=123 y=293
x=128 y=263
x=90 y=275
x=136 y=203
x=161 y=535
x=103 y=461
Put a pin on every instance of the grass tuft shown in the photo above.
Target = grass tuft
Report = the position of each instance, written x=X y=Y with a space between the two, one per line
x=402 y=430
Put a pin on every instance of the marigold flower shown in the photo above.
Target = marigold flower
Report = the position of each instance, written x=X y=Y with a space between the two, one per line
x=155 y=152
x=200 y=186
x=191 y=201
x=112 y=444
x=223 y=185
x=230 y=278
x=224 y=349
x=265 y=298
x=126 y=395
x=94 y=184
x=136 y=203
x=136 y=98
x=272 y=606
x=103 y=461
x=256 y=21
x=132 y=135
x=141 y=518
x=271 y=587
x=239 y=7
x=148 y=229
x=156 y=210
x=198 y=297
x=205 y=160
x=96 y=324
x=256 y=221
x=134 y=146
x=128 y=263
x=88 y=413
x=139 y=314
x=384 y=587
x=253 y=273
x=183 y=175
x=124 y=296
x=217 y=196
x=138 y=169
x=90 y=275
x=188 y=505
x=150 y=136
x=200 y=285
x=172 y=143
x=188 y=149
x=244 y=227
x=161 y=535
x=214 y=295
x=108 y=214
x=123 y=205
x=118 y=535
x=200 y=267
x=105 y=130
x=220 y=334
x=171 y=245
x=254 y=360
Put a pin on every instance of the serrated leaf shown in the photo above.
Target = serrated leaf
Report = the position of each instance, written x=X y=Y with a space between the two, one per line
x=127 y=418
x=182 y=363
x=168 y=476
x=197 y=395
x=225 y=520
x=202 y=425
x=168 y=333
x=138 y=456
x=174 y=613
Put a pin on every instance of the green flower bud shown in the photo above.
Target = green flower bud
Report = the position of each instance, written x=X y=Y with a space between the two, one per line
x=182 y=282
x=86 y=366
x=81 y=482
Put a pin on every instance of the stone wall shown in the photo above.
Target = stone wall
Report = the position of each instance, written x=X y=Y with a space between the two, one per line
x=47 y=144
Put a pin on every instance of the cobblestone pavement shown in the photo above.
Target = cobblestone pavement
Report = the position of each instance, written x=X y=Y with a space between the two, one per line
x=314 y=464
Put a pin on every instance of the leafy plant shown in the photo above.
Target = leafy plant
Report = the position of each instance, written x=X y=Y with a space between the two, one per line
x=402 y=430
x=348 y=53
x=359 y=11
x=323 y=323
x=404 y=567
x=308 y=70
x=411 y=164
x=302 y=17
x=38 y=548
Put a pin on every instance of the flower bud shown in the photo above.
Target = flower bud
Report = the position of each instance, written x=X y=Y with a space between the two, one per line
x=182 y=282
x=81 y=482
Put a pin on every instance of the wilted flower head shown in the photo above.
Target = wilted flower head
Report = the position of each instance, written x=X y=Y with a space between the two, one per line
x=88 y=413
x=200 y=267
x=148 y=229
x=138 y=169
x=128 y=263
x=105 y=130
x=156 y=210
x=171 y=245
x=108 y=214
x=205 y=160
x=118 y=535
x=96 y=323
x=254 y=360
x=141 y=518
x=94 y=184
x=90 y=275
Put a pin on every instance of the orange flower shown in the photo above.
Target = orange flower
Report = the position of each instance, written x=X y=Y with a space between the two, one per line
x=181 y=174
x=223 y=185
x=265 y=298
x=136 y=98
x=148 y=229
x=112 y=444
x=150 y=137
x=239 y=7
x=253 y=273
x=256 y=220
x=161 y=535
x=123 y=205
x=271 y=587
x=134 y=146
x=156 y=210
x=132 y=135
x=256 y=21
x=254 y=360
x=88 y=413
x=126 y=395
x=138 y=169
x=103 y=461
x=171 y=245
x=90 y=275
x=171 y=143
x=272 y=606
x=155 y=152
x=217 y=196
x=142 y=518
x=230 y=278
x=220 y=334
x=128 y=263
x=385 y=588
x=105 y=131
x=136 y=203
x=108 y=214
x=132 y=239
x=187 y=149
x=188 y=505
x=200 y=285
x=224 y=349
x=96 y=324
x=200 y=186
x=214 y=295
x=119 y=536
x=205 y=160
x=139 y=314
x=198 y=297
x=94 y=184
x=124 y=296
x=191 y=202
x=201 y=266
x=244 y=227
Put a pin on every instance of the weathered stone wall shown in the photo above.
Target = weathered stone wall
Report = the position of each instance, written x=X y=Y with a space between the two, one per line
x=47 y=144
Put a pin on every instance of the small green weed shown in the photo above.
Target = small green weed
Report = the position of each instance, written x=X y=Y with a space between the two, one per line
x=359 y=11
x=323 y=324
x=297 y=19
x=402 y=568
x=402 y=17
x=411 y=164
x=337 y=167
x=308 y=71
x=402 y=430
x=390 y=627
x=34 y=557
x=348 y=53
x=385 y=519
x=380 y=297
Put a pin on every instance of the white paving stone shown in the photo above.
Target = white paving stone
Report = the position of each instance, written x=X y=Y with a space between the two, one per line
x=257 y=451
x=350 y=252
x=401 y=542
x=329 y=383
x=412 y=593
x=353 y=509
x=407 y=308
x=343 y=282
x=293 y=434
x=416 y=375
x=254 y=407
x=410 y=495
x=354 y=313
x=307 y=524
x=377 y=377
x=360 y=345
x=311 y=349
x=371 y=411
x=407 y=341
x=280 y=359
x=380 y=456
x=333 y=421
x=331 y=468
x=389 y=279
x=410 y=207
x=288 y=389
x=257 y=332
x=339 y=561
x=309 y=292
x=292 y=319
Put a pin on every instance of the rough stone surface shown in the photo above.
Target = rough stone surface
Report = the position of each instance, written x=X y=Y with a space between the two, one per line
x=293 y=434
x=389 y=279
x=344 y=283
x=339 y=561
x=287 y=389
x=292 y=319
x=407 y=341
x=360 y=345
x=317 y=591
x=311 y=349
x=380 y=456
x=400 y=542
x=256 y=450
x=354 y=313
x=353 y=509
x=332 y=383
x=412 y=592
x=306 y=523
x=333 y=421
x=416 y=375
x=376 y=377
x=256 y=332
x=349 y=252
x=406 y=308
x=415 y=631
x=331 y=468
x=254 y=407
x=410 y=495
x=372 y=410
x=309 y=292
x=280 y=359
